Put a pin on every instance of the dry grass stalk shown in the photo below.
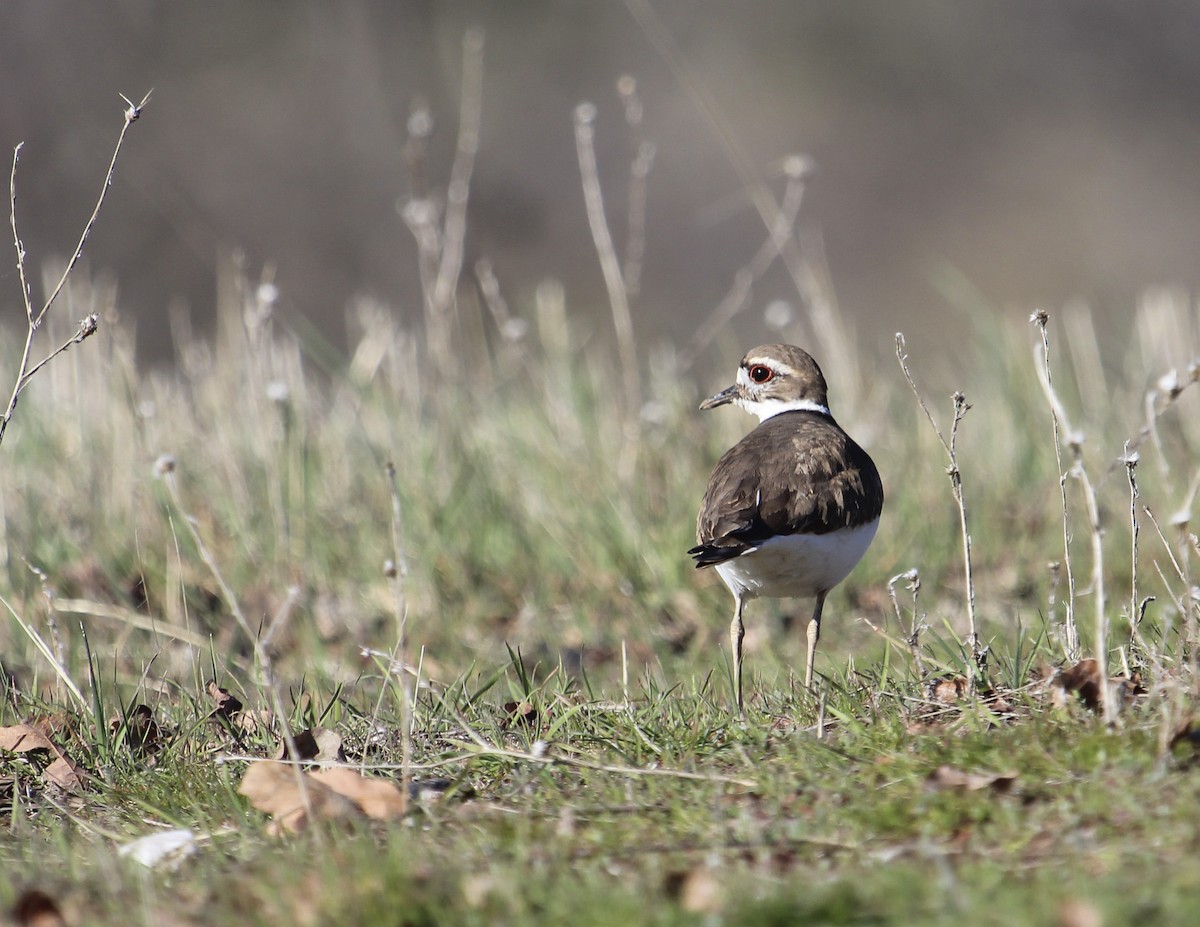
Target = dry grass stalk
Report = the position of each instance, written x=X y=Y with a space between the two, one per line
x=614 y=280
x=396 y=571
x=166 y=470
x=1135 y=613
x=639 y=171
x=961 y=407
x=1070 y=630
x=735 y=300
x=1091 y=505
x=440 y=249
x=913 y=640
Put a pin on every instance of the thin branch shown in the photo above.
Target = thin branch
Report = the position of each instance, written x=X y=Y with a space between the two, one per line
x=87 y=326
x=913 y=578
x=1091 y=505
x=797 y=170
x=12 y=215
x=454 y=229
x=1131 y=462
x=961 y=408
x=1070 y=629
x=132 y=114
x=610 y=265
x=639 y=171
x=484 y=749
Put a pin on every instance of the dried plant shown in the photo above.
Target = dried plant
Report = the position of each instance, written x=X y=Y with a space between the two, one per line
x=34 y=318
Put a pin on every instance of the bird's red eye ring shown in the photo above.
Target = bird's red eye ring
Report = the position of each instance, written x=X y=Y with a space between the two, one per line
x=761 y=373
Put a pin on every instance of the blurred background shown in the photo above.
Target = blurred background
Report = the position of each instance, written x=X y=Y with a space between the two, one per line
x=1008 y=155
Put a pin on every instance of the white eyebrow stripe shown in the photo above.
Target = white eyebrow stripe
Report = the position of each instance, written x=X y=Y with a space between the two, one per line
x=780 y=368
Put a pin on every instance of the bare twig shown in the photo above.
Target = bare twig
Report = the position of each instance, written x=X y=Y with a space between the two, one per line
x=26 y=296
x=440 y=248
x=961 y=407
x=639 y=170
x=768 y=209
x=1091 y=505
x=455 y=225
x=1131 y=462
x=87 y=326
x=797 y=170
x=1070 y=631
x=913 y=579
x=485 y=749
x=397 y=572
x=610 y=265
x=1166 y=391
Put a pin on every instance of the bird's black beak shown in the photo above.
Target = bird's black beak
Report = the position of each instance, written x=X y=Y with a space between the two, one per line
x=726 y=395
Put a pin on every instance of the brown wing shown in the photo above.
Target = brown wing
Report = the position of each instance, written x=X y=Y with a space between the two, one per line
x=820 y=482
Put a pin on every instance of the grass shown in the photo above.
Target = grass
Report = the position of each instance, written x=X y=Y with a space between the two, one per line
x=230 y=519
x=518 y=533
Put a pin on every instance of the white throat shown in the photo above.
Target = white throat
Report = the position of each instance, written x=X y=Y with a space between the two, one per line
x=765 y=409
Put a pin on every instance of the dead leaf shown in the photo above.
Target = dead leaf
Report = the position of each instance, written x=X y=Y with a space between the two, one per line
x=62 y=771
x=380 y=799
x=1083 y=679
x=947 y=690
x=227 y=704
x=319 y=745
x=947 y=777
x=21 y=738
x=34 y=908
x=141 y=732
x=274 y=788
x=338 y=793
x=519 y=713
x=230 y=711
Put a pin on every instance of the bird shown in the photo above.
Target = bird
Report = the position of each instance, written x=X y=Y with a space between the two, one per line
x=793 y=506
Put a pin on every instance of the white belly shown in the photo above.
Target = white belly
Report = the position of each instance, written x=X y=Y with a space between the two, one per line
x=798 y=565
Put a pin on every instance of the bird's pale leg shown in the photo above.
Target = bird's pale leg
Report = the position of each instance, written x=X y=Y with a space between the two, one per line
x=736 y=632
x=814 y=634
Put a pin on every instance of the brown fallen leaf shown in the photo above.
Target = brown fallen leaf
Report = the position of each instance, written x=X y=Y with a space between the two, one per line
x=318 y=744
x=379 y=799
x=62 y=771
x=947 y=690
x=231 y=712
x=34 y=908
x=273 y=788
x=1084 y=680
x=519 y=713
x=338 y=793
x=947 y=777
x=140 y=731
x=227 y=704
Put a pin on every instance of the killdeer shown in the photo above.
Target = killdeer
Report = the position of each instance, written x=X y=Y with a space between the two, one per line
x=792 y=507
